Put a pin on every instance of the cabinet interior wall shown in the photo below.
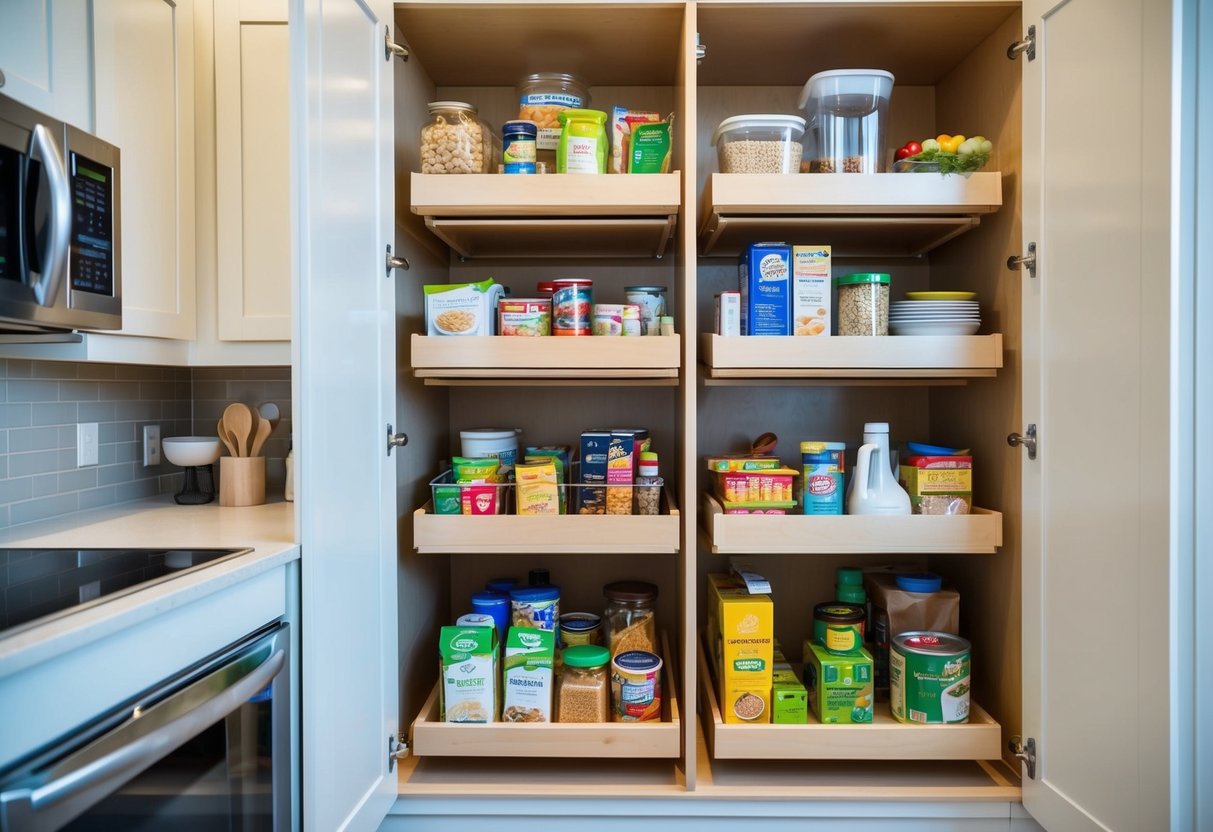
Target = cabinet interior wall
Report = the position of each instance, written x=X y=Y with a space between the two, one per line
x=966 y=83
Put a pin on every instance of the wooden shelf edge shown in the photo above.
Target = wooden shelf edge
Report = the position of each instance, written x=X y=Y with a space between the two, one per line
x=872 y=356
x=849 y=534
x=550 y=195
x=884 y=739
x=649 y=740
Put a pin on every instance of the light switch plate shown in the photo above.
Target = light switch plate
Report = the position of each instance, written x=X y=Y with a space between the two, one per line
x=151 y=445
x=86 y=444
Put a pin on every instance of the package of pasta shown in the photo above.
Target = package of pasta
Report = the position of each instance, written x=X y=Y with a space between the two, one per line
x=650 y=146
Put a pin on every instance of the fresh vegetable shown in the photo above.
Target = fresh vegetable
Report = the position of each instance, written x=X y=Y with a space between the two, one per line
x=903 y=152
x=913 y=147
x=947 y=153
x=952 y=144
x=929 y=146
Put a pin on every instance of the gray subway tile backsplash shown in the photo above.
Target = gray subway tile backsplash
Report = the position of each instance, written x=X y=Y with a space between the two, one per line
x=41 y=402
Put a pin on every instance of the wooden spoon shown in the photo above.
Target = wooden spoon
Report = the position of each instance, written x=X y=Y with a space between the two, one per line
x=238 y=419
x=264 y=427
x=225 y=438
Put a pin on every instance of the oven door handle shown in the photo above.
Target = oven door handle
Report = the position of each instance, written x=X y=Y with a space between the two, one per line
x=54 y=260
x=77 y=784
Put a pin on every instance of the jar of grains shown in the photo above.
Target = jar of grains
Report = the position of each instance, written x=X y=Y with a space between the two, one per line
x=583 y=691
x=455 y=140
x=631 y=616
x=541 y=97
x=863 y=304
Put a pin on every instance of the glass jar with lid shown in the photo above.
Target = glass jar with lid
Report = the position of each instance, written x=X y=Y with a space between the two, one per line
x=630 y=620
x=455 y=140
x=541 y=97
x=583 y=689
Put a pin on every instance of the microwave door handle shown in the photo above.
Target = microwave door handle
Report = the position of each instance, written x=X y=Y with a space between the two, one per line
x=51 y=805
x=42 y=147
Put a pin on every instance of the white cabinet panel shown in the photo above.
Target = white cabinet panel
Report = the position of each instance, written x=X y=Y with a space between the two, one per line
x=1095 y=353
x=145 y=105
x=46 y=58
x=252 y=140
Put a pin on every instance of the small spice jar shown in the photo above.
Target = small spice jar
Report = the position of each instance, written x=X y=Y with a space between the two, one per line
x=863 y=303
x=583 y=689
x=578 y=628
x=839 y=627
x=518 y=146
x=455 y=140
x=631 y=616
x=583 y=144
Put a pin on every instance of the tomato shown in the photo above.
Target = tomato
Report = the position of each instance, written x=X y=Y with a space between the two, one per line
x=914 y=148
x=903 y=152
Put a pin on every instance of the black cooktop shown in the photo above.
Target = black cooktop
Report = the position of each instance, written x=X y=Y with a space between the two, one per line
x=37 y=584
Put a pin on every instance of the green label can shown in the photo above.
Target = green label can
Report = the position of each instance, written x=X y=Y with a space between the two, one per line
x=929 y=677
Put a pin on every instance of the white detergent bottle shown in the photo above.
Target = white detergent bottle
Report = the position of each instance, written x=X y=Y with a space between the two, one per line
x=874 y=489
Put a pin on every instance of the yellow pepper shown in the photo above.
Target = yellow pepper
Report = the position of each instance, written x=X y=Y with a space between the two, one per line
x=953 y=143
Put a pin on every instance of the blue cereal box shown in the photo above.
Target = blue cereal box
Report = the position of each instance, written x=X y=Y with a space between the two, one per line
x=765 y=278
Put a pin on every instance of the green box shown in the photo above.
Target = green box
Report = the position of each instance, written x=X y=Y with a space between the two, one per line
x=789 y=699
x=840 y=687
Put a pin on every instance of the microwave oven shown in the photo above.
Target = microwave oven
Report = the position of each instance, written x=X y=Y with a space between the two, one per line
x=60 y=240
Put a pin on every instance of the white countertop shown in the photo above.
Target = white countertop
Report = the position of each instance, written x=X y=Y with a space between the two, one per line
x=269 y=530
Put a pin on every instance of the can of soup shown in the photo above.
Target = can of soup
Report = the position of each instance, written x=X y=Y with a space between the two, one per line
x=572 y=299
x=929 y=677
x=524 y=316
x=636 y=686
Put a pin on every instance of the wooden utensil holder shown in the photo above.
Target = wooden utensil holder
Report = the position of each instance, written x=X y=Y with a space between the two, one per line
x=241 y=480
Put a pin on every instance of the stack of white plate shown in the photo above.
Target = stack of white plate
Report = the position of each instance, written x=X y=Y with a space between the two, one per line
x=935 y=313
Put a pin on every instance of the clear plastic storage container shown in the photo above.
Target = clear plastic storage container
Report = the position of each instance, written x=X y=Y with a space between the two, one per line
x=763 y=143
x=847 y=112
x=863 y=303
x=455 y=140
x=542 y=96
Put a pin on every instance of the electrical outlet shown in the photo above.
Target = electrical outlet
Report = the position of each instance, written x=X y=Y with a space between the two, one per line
x=86 y=444
x=151 y=445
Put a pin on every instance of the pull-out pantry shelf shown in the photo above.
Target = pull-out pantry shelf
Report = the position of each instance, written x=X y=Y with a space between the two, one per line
x=977 y=533
x=884 y=739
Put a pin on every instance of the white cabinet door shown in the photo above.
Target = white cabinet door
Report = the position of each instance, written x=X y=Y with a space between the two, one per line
x=46 y=57
x=145 y=105
x=342 y=120
x=252 y=150
x=1095 y=355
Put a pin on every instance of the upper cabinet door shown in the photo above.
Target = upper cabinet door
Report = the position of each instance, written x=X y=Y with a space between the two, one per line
x=145 y=105
x=252 y=149
x=1095 y=359
x=46 y=57
x=343 y=174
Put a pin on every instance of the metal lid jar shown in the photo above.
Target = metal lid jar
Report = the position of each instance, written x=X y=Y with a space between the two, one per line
x=541 y=97
x=631 y=616
x=455 y=140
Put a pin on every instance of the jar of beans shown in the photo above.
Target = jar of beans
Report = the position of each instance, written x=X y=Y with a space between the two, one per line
x=863 y=303
x=455 y=140
x=583 y=690
x=648 y=484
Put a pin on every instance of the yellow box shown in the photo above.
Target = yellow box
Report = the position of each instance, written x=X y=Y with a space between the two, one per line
x=742 y=634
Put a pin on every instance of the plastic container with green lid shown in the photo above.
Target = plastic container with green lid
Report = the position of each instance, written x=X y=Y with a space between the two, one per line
x=863 y=303
x=583 y=691
x=849 y=586
x=583 y=146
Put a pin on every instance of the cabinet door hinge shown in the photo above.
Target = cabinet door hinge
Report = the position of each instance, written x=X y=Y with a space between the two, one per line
x=701 y=51
x=1027 y=440
x=394 y=262
x=1028 y=45
x=390 y=47
x=395 y=440
x=1027 y=261
x=1025 y=752
x=397 y=749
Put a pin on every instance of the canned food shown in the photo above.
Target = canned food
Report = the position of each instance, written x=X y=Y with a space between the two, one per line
x=651 y=300
x=524 y=316
x=572 y=299
x=929 y=677
x=823 y=471
x=535 y=606
x=636 y=686
x=518 y=146
x=607 y=320
x=839 y=627
x=578 y=628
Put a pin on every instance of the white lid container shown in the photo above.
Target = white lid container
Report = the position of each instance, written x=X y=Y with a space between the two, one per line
x=501 y=443
x=847 y=112
x=759 y=143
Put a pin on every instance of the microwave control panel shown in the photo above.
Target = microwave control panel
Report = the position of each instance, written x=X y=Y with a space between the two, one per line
x=92 y=259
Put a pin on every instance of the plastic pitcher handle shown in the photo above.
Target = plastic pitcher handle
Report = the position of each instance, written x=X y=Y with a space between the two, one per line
x=863 y=461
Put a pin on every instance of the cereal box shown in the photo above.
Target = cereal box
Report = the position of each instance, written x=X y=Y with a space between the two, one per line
x=620 y=473
x=840 y=687
x=529 y=656
x=939 y=484
x=462 y=308
x=469 y=674
x=741 y=634
x=591 y=495
x=811 y=290
x=765 y=278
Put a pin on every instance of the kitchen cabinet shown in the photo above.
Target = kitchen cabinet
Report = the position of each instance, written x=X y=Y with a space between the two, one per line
x=1064 y=560
x=144 y=88
x=46 y=59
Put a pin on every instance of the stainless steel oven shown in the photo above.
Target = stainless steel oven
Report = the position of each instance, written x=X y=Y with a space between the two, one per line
x=208 y=749
x=60 y=229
